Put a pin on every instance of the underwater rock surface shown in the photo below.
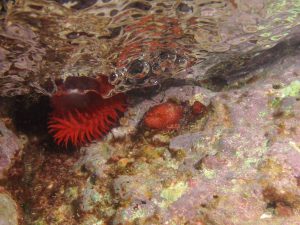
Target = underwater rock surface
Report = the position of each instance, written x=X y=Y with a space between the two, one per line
x=238 y=164
x=10 y=146
x=8 y=209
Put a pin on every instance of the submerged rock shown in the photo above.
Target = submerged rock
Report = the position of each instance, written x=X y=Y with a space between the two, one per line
x=243 y=162
x=9 y=214
x=185 y=142
x=10 y=147
x=237 y=164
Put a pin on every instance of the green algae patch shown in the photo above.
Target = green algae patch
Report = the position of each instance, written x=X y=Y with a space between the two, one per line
x=292 y=90
x=172 y=193
x=262 y=114
x=251 y=162
x=138 y=214
x=60 y=215
x=71 y=193
x=39 y=222
x=294 y=146
x=92 y=220
x=173 y=164
x=209 y=174
x=276 y=102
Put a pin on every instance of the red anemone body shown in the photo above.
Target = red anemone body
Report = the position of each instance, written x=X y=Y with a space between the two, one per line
x=80 y=113
x=165 y=116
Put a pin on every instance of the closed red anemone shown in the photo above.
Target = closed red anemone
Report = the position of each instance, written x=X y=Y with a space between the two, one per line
x=80 y=113
x=198 y=108
x=165 y=116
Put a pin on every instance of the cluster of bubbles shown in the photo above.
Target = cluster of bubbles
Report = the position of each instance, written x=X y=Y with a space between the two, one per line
x=143 y=73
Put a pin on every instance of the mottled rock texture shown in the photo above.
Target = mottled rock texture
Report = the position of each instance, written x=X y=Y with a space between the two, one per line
x=240 y=167
x=8 y=209
x=10 y=146
x=238 y=163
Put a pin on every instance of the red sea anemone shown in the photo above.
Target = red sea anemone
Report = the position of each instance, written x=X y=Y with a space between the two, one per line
x=165 y=116
x=198 y=108
x=80 y=113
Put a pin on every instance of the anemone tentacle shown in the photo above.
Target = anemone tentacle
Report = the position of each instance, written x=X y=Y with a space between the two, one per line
x=77 y=126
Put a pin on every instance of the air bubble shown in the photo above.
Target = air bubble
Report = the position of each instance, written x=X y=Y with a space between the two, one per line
x=155 y=67
x=180 y=60
x=139 y=5
x=113 y=12
x=138 y=68
x=167 y=55
x=182 y=7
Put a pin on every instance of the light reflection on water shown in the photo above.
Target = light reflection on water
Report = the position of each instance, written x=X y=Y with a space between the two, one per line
x=135 y=43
